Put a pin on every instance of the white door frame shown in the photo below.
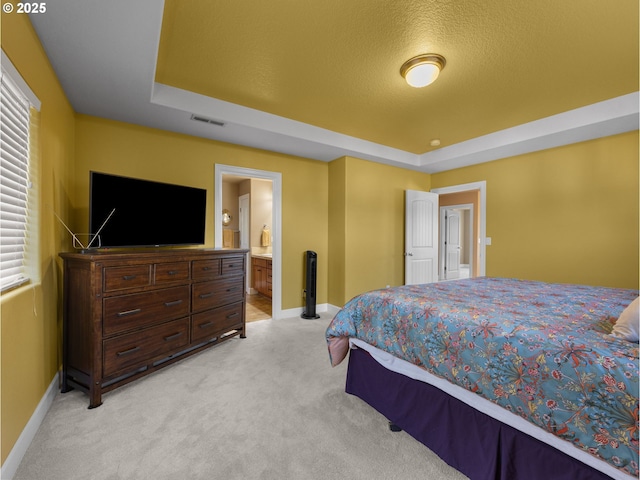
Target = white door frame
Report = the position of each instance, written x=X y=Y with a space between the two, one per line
x=244 y=222
x=276 y=227
x=482 y=234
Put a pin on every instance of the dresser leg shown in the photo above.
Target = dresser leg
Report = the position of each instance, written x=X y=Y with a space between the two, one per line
x=95 y=397
x=65 y=387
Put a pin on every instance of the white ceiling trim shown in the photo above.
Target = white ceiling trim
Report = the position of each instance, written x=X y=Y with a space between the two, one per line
x=610 y=117
x=283 y=129
x=109 y=72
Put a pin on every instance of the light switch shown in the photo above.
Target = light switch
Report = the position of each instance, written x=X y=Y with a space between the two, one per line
x=487 y=241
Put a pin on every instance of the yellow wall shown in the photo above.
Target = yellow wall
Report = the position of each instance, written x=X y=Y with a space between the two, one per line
x=337 y=231
x=130 y=150
x=367 y=225
x=368 y=213
x=567 y=214
x=30 y=315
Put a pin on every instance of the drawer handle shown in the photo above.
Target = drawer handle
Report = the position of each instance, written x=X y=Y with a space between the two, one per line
x=205 y=295
x=172 y=272
x=235 y=314
x=129 y=312
x=127 y=352
x=172 y=304
x=230 y=266
x=206 y=268
x=172 y=337
x=128 y=277
x=232 y=289
x=205 y=325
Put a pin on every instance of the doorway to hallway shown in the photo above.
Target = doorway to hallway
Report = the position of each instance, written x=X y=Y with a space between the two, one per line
x=456 y=242
x=474 y=193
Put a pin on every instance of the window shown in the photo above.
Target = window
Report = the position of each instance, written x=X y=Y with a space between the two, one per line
x=16 y=198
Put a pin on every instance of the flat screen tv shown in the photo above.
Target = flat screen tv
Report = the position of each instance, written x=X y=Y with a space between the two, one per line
x=145 y=213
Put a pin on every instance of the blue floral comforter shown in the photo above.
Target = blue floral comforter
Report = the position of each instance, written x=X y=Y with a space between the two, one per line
x=537 y=349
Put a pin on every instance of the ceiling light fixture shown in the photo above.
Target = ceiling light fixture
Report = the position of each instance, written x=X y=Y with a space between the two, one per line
x=422 y=70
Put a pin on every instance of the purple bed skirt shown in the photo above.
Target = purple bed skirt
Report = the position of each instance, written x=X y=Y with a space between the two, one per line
x=473 y=443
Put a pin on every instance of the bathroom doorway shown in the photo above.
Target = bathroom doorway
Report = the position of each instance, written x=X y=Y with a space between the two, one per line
x=253 y=200
x=258 y=303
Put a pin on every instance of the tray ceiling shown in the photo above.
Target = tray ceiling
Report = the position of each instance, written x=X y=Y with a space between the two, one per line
x=321 y=79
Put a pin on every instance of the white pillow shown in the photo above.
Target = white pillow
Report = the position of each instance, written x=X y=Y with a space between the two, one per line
x=628 y=322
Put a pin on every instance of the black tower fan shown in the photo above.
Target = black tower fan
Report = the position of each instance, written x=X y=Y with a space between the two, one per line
x=311 y=262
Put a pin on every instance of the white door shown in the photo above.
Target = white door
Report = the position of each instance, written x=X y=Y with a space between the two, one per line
x=452 y=244
x=243 y=222
x=421 y=237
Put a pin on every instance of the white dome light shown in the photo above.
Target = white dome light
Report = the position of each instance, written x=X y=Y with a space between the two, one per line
x=422 y=70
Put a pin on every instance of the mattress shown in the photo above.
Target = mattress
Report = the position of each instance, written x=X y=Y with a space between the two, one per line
x=535 y=351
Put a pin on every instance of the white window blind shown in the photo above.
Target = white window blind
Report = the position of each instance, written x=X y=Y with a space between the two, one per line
x=14 y=183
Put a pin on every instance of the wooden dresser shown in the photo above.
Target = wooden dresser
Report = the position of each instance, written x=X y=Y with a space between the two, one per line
x=127 y=314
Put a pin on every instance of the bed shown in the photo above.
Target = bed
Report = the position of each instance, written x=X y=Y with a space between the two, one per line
x=502 y=378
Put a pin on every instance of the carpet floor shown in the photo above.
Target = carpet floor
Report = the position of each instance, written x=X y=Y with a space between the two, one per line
x=265 y=407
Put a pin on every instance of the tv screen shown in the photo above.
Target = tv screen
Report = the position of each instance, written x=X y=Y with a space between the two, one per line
x=145 y=213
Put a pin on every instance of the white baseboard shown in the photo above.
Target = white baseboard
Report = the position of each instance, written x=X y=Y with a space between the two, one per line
x=296 y=312
x=332 y=309
x=11 y=464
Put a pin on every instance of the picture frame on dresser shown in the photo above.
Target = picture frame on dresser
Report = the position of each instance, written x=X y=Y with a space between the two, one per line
x=127 y=314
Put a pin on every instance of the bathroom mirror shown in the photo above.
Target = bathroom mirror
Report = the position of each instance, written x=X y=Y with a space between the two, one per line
x=226 y=217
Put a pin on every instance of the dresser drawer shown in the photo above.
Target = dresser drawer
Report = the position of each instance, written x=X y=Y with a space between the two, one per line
x=130 y=276
x=208 y=295
x=172 y=272
x=128 y=352
x=205 y=269
x=142 y=309
x=233 y=266
x=217 y=321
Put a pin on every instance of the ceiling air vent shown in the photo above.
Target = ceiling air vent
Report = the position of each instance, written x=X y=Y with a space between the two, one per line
x=199 y=118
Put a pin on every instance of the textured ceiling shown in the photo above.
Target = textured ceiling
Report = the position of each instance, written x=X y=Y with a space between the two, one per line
x=335 y=64
x=320 y=79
